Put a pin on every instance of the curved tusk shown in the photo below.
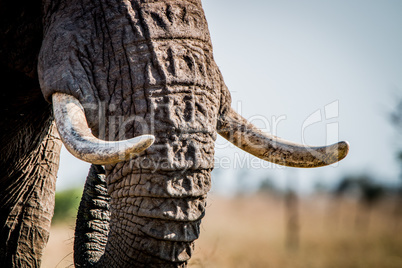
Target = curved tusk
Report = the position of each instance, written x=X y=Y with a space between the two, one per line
x=246 y=136
x=79 y=141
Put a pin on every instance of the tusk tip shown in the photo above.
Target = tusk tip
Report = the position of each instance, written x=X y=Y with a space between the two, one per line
x=343 y=149
x=147 y=140
x=332 y=154
x=140 y=143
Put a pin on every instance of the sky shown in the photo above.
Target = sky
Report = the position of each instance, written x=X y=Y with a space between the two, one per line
x=313 y=72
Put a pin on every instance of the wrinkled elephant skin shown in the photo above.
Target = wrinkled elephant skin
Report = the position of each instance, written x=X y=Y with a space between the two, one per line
x=150 y=64
x=132 y=68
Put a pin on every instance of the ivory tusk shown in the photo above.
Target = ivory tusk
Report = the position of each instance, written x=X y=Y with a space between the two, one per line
x=246 y=136
x=76 y=136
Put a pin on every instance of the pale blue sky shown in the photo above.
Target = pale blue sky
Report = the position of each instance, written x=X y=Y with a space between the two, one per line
x=290 y=59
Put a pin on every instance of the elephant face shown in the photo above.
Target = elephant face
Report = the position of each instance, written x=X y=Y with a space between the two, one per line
x=142 y=67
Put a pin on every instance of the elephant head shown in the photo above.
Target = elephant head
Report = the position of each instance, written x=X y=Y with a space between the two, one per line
x=135 y=88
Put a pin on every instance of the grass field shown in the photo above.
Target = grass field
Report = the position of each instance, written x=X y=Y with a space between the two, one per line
x=251 y=232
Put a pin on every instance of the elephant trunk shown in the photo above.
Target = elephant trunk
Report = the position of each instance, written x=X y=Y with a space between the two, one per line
x=92 y=226
x=155 y=217
x=149 y=227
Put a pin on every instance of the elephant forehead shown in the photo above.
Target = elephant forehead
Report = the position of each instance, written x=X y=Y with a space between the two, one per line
x=167 y=19
x=151 y=50
x=163 y=112
x=141 y=70
x=116 y=49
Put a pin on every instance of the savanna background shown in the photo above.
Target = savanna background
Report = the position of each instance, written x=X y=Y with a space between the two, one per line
x=314 y=72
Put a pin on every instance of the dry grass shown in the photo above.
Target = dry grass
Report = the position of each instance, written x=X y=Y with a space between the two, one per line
x=250 y=232
x=59 y=250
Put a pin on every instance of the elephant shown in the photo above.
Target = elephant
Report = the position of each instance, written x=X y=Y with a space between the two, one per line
x=131 y=87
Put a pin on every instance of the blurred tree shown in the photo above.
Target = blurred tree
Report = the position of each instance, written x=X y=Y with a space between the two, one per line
x=268 y=187
x=320 y=188
x=292 y=237
x=366 y=190
x=292 y=220
x=396 y=120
